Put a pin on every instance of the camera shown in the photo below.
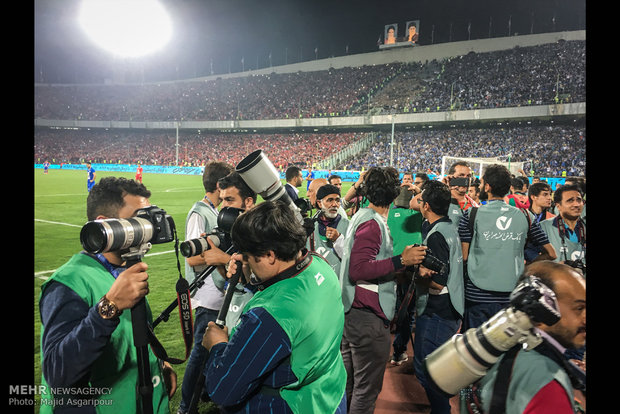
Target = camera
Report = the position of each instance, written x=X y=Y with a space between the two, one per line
x=150 y=225
x=467 y=357
x=304 y=205
x=263 y=178
x=577 y=264
x=432 y=262
x=220 y=236
x=460 y=181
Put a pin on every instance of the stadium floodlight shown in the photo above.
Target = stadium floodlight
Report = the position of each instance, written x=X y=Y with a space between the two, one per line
x=126 y=28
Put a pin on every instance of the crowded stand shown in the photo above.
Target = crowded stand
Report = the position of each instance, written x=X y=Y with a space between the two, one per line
x=543 y=74
x=195 y=149
x=551 y=149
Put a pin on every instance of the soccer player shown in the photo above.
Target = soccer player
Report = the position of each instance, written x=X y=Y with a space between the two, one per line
x=90 y=182
x=139 y=173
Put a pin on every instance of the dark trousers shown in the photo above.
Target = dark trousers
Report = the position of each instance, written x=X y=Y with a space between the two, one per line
x=194 y=367
x=432 y=332
x=365 y=350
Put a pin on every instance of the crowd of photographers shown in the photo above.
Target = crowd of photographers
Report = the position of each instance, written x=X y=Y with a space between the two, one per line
x=535 y=75
x=345 y=263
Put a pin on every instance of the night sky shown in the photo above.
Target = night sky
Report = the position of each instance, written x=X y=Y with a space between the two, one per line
x=217 y=34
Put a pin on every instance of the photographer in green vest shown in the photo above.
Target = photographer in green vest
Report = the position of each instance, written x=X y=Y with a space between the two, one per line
x=284 y=353
x=543 y=380
x=493 y=247
x=327 y=239
x=88 y=357
x=367 y=277
x=439 y=296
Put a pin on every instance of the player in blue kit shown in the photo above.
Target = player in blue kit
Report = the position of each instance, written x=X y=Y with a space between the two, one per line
x=90 y=182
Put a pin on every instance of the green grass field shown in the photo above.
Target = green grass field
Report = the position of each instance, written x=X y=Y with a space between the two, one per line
x=60 y=213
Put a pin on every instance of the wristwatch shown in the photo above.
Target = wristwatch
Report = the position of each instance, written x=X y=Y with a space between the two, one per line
x=108 y=309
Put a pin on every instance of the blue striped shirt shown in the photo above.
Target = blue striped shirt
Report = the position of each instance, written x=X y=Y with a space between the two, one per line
x=536 y=236
x=245 y=374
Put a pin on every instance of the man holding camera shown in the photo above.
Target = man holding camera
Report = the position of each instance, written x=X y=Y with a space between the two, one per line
x=542 y=380
x=86 y=325
x=329 y=227
x=493 y=247
x=284 y=354
x=439 y=295
x=459 y=178
x=369 y=289
x=207 y=300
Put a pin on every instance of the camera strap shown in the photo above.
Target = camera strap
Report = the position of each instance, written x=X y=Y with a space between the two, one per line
x=187 y=325
x=185 y=316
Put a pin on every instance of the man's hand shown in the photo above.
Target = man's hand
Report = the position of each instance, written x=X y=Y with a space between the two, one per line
x=413 y=255
x=129 y=287
x=232 y=268
x=214 y=256
x=331 y=233
x=170 y=379
x=214 y=335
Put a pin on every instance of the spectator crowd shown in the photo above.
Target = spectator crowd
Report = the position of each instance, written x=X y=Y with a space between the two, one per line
x=535 y=75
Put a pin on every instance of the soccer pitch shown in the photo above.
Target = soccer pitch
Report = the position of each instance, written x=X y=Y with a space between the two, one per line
x=60 y=213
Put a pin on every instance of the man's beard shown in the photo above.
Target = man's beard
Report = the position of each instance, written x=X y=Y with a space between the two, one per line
x=330 y=214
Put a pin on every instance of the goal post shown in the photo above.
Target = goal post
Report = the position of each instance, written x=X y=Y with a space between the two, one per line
x=478 y=164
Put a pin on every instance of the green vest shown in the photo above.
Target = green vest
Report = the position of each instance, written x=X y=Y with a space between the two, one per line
x=531 y=371
x=308 y=307
x=496 y=257
x=116 y=369
x=210 y=218
x=454 y=214
x=387 y=284
x=567 y=251
x=325 y=247
x=405 y=227
x=455 y=278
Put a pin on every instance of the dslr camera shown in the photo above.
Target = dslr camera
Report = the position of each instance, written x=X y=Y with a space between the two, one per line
x=432 y=262
x=150 y=225
x=467 y=357
x=220 y=236
x=460 y=181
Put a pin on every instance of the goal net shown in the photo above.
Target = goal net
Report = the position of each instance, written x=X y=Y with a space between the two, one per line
x=478 y=165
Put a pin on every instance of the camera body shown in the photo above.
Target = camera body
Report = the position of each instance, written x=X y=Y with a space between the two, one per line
x=220 y=236
x=150 y=225
x=432 y=262
x=304 y=205
x=577 y=264
x=460 y=181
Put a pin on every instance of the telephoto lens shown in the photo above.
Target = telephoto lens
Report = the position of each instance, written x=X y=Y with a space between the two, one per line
x=100 y=236
x=195 y=247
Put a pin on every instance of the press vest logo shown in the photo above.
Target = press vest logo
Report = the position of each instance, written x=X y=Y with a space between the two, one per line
x=503 y=222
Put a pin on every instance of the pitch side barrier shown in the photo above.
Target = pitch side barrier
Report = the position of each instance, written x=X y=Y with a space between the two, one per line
x=350 y=176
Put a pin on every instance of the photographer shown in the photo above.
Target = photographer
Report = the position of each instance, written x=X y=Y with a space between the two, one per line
x=493 y=241
x=86 y=325
x=369 y=288
x=567 y=231
x=207 y=300
x=285 y=351
x=439 y=296
x=541 y=380
x=459 y=178
x=329 y=227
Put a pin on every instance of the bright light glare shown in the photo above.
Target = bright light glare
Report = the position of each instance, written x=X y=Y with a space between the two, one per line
x=126 y=28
